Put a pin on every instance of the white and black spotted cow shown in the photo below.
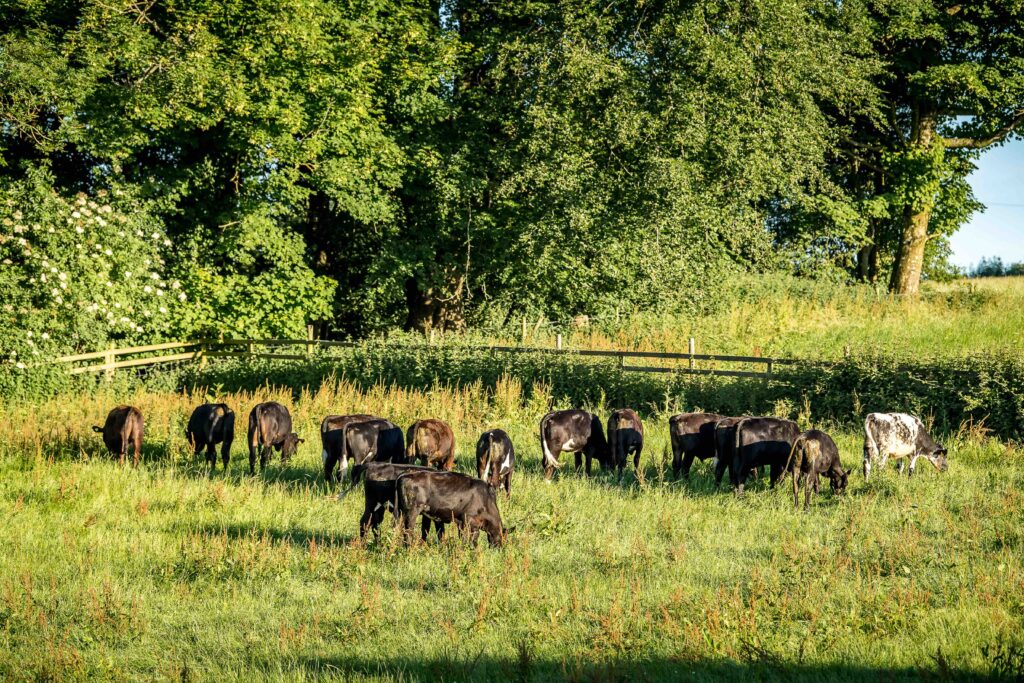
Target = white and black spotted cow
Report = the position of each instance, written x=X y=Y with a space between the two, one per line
x=496 y=459
x=899 y=435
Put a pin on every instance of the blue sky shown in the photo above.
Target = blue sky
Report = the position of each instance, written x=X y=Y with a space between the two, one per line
x=999 y=229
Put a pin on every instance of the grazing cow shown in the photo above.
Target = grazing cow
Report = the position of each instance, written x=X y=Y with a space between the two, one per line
x=432 y=442
x=123 y=428
x=209 y=425
x=693 y=436
x=449 y=497
x=379 y=494
x=761 y=441
x=495 y=459
x=573 y=431
x=814 y=453
x=725 y=443
x=376 y=440
x=270 y=426
x=330 y=433
x=901 y=436
x=625 y=436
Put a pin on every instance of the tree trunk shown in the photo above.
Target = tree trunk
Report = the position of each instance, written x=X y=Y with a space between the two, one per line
x=906 y=272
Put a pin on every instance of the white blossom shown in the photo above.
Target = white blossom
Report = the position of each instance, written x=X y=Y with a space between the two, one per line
x=108 y=252
x=75 y=214
x=45 y=335
x=163 y=310
x=19 y=365
x=181 y=297
x=147 y=289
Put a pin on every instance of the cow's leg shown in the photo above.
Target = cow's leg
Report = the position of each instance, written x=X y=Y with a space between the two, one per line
x=549 y=471
x=211 y=457
x=810 y=482
x=409 y=523
x=578 y=457
x=774 y=472
x=377 y=519
x=636 y=458
x=330 y=461
x=225 y=453
x=867 y=466
x=365 y=520
x=677 y=461
x=508 y=485
x=913 y=464
x=899 y=466
x=424 y=528
x=264 y=457
x=720 y=466
x=137 y=439
x=685 y=465
x=797 y=474
x=439 y=527
x=252 y=459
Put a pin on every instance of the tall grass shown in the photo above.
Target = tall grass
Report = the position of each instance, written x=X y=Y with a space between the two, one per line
x=167 y=573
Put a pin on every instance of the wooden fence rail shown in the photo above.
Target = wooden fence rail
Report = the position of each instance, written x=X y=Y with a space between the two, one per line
x=202 y=349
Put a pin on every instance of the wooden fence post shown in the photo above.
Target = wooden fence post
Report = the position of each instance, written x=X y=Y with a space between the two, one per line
x=309 y=340
x=558 y=341
x=524 y=330
x=108 y=361
x=692 y=346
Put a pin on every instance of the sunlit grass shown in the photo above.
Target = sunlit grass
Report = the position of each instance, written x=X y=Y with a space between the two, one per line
x=164 y=572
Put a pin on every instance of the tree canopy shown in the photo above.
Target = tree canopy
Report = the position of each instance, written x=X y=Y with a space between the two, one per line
x=376 y=164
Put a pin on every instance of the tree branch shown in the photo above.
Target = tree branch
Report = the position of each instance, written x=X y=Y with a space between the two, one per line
x=981 y=143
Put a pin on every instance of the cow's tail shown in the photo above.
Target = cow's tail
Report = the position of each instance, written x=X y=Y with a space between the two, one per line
x=410 y=442
x=490 y=457
x=126 y=430
x=343 y=459
x=256 y=438
x=549 y=458
x=798 y=442
x=870 y=447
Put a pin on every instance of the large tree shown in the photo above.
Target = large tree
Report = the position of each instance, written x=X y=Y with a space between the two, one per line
x=953 y=85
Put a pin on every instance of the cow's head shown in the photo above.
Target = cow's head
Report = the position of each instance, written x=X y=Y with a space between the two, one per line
x=938 y=459
x=289 y=446
x=839 y=479
x=934 y=451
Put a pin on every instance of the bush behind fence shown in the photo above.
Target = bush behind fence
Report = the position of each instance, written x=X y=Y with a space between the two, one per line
x=949 y=391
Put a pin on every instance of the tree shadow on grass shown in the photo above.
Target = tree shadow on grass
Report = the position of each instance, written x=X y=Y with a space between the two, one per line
x=299 y=537
x=521 y=665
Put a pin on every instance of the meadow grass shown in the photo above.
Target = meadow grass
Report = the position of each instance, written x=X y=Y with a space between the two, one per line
x=164 y=572
x=788 y=317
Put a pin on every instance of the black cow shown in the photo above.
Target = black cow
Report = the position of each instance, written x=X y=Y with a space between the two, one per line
x=209 y=425
x=692 y=436
x=330 y=435
x=449 y=497
x=377 y=440
x=379 y=494
x=761 y=441
x=270 y=426
x=725 y=444
x=815 y=453
x=573 y=431
x=625 y=436
x=496 y=459
x=123 y=427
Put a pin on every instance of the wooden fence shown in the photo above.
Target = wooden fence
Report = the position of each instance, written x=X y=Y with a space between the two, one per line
x=304 y=349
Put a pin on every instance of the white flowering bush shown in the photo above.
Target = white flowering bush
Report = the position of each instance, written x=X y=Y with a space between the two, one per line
x=79 y=272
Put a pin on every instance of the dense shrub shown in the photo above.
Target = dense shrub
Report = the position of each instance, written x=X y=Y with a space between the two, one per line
x=988 y=388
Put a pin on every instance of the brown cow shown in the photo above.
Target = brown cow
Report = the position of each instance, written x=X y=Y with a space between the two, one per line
x=693 y=436
x=432 y=442
x=625 y=436
x=124 y=426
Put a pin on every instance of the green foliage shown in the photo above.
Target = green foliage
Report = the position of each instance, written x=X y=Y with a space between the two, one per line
x=80 y=272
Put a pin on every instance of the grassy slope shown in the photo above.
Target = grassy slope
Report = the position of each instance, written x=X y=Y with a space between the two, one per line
x=163 y=572
x=798 y=319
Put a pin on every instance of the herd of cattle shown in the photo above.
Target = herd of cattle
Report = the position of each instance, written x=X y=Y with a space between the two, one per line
x=383 y=457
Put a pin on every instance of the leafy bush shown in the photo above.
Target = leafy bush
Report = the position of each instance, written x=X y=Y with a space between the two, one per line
x=949 y=391
x=79 y=273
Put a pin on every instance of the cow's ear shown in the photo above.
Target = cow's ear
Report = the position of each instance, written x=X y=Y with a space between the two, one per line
x=98 y=430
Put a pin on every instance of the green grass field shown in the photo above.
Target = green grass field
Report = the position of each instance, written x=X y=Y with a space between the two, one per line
x=163 y=572
x=790 y=317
